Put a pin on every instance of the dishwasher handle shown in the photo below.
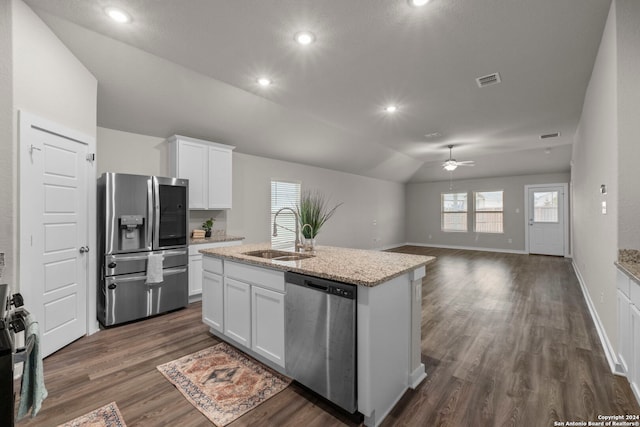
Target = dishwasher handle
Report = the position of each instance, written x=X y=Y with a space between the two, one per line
x=310 y=284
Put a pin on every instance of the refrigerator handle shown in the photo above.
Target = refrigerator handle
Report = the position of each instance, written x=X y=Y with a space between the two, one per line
x=151 y=219
x=156 y=212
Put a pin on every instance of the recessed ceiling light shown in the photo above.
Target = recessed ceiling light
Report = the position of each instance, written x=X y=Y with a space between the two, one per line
x=118 y=15
x=264 y=81
x=391 y=109
x=418 y=3
x=304 y=37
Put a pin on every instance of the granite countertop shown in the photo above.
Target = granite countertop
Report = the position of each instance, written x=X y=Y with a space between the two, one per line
x=629 y=263
x=214 y=239
x=354 y=266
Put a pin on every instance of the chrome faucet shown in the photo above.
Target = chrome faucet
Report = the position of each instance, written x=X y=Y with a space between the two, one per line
x=275 y=227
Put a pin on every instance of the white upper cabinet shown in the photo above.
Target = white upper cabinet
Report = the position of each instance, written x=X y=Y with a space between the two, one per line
x=207 y=166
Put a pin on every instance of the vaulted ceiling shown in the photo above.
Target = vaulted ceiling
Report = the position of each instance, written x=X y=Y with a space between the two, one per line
x=191 y=67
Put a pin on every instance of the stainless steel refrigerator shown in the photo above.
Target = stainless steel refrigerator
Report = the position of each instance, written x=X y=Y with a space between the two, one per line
x=143 y=256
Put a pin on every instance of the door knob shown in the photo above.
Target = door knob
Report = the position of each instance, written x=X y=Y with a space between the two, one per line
x=84 y=249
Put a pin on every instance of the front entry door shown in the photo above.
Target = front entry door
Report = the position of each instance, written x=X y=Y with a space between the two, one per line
x=546 y=220
x=54 y=229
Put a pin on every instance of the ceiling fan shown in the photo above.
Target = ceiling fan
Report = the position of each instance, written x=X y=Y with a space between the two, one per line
x=451 y=164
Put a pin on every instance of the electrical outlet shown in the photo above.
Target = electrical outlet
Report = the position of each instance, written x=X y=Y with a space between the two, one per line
x=509 y=240
x=430 y=236
x=375 y=222
x=601 y=297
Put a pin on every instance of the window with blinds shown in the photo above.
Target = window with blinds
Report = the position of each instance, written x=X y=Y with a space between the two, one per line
x=284 y=194
x=454 y=212
x=488 y=212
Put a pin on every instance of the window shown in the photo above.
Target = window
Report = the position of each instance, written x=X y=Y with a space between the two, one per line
x=454 y=212
x=545 y=206
x=488 y=212
x=284 y=195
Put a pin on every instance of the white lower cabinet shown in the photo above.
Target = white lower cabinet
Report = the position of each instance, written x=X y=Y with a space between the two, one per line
x=195 y=274
x=237 y=311
x=246 y=304
x=267 y=324
x=212 y=301
x=634 y=370
x=196 y=267
x=625 y=348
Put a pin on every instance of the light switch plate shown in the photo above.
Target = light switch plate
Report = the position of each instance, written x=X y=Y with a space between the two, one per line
x=604 y=207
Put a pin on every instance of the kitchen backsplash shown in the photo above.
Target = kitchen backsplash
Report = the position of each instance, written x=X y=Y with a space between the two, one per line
x=196 y=218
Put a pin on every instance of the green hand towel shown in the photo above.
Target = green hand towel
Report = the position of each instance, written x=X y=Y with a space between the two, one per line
x=32 y=390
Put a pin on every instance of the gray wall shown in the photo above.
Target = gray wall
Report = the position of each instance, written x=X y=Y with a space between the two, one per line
x=365 y=199
x=50 y=82
x=423 y=211
x=7 y=153
x=605 y=151
x=628 y=93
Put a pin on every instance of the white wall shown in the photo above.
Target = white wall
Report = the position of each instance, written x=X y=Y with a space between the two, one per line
x=7 y=153
x=50 y=82
x=423 y=211
x=595 y=156
x=365 y=199
x=628 y=91
x=125 y=152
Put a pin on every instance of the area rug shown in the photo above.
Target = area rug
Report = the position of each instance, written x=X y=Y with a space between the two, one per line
x=107 y=416
x=222 y=382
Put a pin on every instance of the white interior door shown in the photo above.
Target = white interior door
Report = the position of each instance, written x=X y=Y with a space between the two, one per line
x=54 y=231
x=546 y=220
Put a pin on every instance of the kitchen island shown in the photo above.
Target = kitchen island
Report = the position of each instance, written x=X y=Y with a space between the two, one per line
x=244 y=299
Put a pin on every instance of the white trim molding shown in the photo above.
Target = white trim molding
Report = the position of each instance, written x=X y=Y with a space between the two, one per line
x=609 y=351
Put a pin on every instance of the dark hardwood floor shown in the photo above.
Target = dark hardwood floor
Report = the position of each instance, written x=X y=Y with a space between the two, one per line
x=507 y=340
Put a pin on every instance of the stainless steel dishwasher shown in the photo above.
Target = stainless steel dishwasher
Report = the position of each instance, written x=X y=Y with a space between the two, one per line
x=320 y=339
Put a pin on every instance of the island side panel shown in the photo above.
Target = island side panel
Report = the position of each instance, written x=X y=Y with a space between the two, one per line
x=384 y=346
x=417 y=370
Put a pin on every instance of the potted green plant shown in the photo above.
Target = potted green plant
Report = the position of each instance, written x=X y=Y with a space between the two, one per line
x=313 y=212
x=207 y=225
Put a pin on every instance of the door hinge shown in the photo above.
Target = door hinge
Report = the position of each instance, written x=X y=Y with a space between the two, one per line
x=91 y=157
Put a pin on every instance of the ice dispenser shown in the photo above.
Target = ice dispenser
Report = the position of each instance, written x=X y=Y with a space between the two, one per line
x=132 y=232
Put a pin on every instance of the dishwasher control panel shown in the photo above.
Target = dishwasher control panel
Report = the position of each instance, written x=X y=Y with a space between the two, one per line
x=346 y=293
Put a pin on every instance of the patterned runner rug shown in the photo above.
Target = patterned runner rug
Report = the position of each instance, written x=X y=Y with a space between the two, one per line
x=107 y=416
x=222 y=382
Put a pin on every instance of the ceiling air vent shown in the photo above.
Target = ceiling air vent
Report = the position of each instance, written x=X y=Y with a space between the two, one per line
x=550 y=135
x=488 y=80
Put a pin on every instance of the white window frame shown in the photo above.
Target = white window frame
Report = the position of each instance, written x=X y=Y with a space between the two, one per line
x=443 y=212
x=476 y=211
x=285 y=238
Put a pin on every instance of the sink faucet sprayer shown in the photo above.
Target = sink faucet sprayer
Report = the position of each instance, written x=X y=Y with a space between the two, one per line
x=275 y=226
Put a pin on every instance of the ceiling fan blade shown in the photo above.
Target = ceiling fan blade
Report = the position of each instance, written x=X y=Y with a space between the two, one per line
x=466 y=162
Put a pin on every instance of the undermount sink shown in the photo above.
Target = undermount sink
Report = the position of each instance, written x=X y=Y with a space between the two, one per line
x=278 y=255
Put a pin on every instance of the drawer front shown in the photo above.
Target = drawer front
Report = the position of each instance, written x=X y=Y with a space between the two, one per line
x=260 y=276
x=212 y=265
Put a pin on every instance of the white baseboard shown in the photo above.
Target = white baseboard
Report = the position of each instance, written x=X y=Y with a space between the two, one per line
x=417 y=376
x=609 y=351
x=386 y=247
x=467 y=248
